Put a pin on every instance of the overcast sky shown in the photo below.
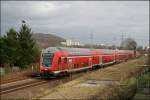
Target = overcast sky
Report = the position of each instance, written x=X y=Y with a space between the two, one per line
x=77 y=20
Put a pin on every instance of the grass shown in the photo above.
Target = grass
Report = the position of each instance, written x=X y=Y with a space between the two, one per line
x=11 y=75
x=144 y=80
x=124 y=73
x=118 y=72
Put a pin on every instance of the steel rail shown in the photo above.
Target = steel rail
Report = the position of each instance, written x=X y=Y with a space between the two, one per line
x=20 y=86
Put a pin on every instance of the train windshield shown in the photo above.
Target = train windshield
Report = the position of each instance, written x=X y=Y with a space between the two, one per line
x=47 y=59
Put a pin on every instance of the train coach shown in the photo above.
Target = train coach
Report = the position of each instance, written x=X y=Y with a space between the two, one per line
x=62 y=60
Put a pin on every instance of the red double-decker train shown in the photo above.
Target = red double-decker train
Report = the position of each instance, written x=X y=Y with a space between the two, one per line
x=62 y=60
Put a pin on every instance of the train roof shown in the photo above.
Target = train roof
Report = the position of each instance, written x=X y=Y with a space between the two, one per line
x=71 y=51
x=76 y=51
x=106 y=51
x=81 y=51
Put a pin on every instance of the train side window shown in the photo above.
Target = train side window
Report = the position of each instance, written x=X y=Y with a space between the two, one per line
x=77 y=65
x=87 y=64
x=93 y=58
x=65 y=60
x=84 y=64
x=59 y=60
x=74 y=65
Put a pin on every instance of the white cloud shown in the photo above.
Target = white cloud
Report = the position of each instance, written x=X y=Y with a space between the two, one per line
x=80 y=18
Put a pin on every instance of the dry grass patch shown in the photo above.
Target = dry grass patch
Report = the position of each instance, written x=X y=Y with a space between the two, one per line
x=120 y=72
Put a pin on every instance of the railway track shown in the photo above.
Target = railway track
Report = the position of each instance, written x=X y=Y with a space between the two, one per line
x=15 y=77
x=12 y=80
x=27 y=83
x=14 y=86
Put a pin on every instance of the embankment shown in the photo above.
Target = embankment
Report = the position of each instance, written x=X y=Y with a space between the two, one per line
x=113 y=82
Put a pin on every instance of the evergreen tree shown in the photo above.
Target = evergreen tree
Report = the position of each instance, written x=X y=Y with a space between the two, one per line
x=27 y=50
x=9 y=47
x=3 y=55
x=18 y=48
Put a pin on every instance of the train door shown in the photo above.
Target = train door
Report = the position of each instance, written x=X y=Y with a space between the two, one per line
x=115 y=56
x=90 y=62
x=70 y=64
x=60 y=63
x=65 y=63
x=100 y=59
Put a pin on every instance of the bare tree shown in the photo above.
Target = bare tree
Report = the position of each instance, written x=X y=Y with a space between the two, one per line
x=128 y=44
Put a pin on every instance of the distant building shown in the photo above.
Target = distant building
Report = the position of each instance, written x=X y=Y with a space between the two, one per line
x=71 y=43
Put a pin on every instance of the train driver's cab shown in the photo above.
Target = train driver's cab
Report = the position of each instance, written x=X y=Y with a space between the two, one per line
x=47 y=59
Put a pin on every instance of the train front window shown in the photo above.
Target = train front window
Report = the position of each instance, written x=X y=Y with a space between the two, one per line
x=47 y=59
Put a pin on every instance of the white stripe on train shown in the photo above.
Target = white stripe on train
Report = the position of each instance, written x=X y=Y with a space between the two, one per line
x=78 y=69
